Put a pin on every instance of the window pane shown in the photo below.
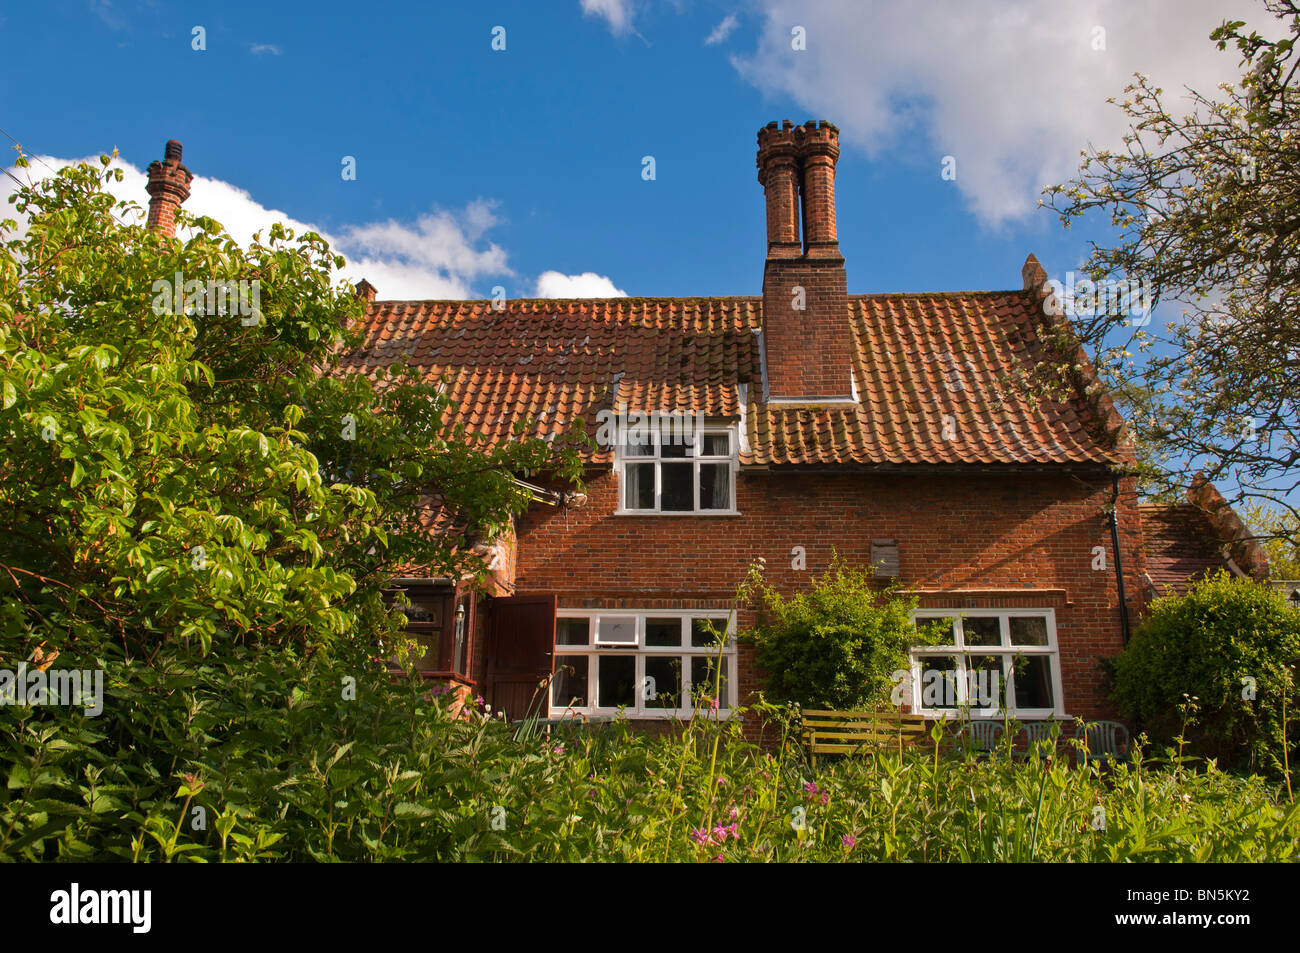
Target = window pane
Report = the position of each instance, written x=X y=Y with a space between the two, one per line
x=1033 y=676
x=982 y=630
x=569 y=687
x=663 y=688
x=640 y=486
x=639 y=442
x=707 y=631
x=572 y=631
x=663 y=631
x=679 y=487
x=716 y=445
x=676 y=435
x=615 y=680
x=702 y=675
x=936 y=631
x=715 y=486
x=938 y=681
x=674 y=446
x=984 y=681
x=1028 y=630
x=617 y=630
x=424 y=608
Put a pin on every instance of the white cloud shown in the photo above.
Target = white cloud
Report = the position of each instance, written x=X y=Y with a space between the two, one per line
x=617 y=13
x=553 y=284
x=259 y=48
x=1012 y=89
x=437 y=257
x=441 y=255
x=722 y=30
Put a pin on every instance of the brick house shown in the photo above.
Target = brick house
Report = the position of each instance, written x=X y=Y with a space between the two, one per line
x=887 y=427
x=894 y=429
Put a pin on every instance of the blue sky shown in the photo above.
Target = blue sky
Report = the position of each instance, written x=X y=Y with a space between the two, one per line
x=478 y=167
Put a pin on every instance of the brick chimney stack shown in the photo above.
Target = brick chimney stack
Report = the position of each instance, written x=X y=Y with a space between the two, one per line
x=778 y=173
x=169 y=187
x=366 y=290
x=808 y=341
x=820 y=152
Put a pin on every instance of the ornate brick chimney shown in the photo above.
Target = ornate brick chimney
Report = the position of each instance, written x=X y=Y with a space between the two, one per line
x=169 y=187
x=808 y=342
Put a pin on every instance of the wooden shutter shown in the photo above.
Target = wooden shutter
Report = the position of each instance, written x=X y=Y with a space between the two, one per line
x=520 y=648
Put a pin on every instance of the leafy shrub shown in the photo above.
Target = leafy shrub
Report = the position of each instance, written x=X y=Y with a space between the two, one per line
x=835 y=645
x=282 y=766
x=1224 y=641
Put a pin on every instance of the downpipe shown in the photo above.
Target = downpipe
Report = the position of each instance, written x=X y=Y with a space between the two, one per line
x=1119 y=564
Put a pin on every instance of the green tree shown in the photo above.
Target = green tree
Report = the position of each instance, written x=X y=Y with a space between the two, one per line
x=1277 y=531
x=1206 y=208
x=192 y=474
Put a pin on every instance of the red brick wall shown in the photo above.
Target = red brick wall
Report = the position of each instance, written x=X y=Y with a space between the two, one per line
x=808 y=351
x=1030 y=533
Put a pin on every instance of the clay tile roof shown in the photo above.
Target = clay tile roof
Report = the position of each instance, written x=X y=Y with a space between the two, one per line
x=935 y=374
x=1181 y=545
x=1188 y=541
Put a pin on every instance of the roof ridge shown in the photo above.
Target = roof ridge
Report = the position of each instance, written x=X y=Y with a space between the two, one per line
x=935 y=294
x=633 y=299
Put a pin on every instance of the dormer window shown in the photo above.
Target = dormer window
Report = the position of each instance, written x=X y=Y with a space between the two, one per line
x=662 y=470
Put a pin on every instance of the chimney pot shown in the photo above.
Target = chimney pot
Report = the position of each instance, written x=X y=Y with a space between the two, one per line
x=172 y=152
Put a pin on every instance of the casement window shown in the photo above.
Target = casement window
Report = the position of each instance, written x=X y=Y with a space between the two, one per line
x=650 y=663
x=437 y=620
x=1000 y=661
x=668 y=472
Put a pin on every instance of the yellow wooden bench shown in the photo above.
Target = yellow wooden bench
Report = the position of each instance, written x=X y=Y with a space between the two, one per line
x=846 y=732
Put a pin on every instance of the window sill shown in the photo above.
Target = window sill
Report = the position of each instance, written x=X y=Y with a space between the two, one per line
x=658 y=714
x=694 y=514
x=957 y=716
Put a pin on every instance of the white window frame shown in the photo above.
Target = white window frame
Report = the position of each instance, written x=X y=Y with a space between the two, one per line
x=1005 y=650
x=732 y=459
x=641 y=652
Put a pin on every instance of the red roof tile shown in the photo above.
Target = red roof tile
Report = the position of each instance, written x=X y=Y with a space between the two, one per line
x=1182 y=545
x=936 y=374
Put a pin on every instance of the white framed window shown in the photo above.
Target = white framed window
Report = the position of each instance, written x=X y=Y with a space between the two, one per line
x=657 y=670
x=671 y=471
x=1000 y=661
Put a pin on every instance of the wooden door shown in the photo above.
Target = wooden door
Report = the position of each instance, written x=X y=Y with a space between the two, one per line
x=520 y=647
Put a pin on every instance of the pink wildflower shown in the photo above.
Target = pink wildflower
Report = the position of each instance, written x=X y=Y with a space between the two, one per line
x=848 y=841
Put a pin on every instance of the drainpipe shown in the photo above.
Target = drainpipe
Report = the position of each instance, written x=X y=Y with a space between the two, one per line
x=1119 y=565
